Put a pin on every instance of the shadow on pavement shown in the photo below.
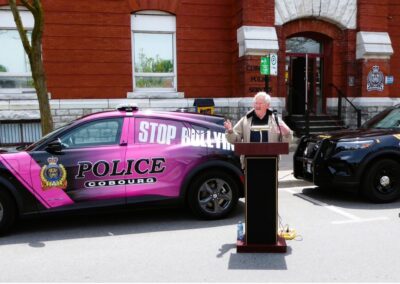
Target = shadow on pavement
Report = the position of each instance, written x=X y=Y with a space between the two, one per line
x=259 y=261
x=293 y=183
x=36 y=231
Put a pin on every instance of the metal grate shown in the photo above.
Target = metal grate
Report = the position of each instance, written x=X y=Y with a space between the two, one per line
x=21 y=132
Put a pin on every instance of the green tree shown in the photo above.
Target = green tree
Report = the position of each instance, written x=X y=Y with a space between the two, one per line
x=33 y=49
x=147 y=64
x=153 y=65
x=3 y=68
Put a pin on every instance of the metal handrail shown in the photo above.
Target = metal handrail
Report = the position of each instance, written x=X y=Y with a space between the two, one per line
x=341 y=96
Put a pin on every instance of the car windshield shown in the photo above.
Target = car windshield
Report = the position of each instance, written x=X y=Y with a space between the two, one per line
x=58 y=130
x=389 y=118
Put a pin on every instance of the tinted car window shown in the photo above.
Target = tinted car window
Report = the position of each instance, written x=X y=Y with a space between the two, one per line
x=44 y=138
x=96 y=133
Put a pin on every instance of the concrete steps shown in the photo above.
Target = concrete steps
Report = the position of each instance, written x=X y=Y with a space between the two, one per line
x=318 y=124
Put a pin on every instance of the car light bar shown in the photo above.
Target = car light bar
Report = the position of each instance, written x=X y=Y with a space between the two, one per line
x=128 y=107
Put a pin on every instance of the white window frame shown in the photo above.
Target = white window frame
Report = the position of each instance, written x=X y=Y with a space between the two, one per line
x=154 y=22
x=7 y=23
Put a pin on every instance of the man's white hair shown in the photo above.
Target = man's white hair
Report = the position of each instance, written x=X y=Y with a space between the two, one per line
x=264 y=95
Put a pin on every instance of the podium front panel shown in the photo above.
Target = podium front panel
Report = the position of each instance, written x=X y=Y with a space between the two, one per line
x=261 y=200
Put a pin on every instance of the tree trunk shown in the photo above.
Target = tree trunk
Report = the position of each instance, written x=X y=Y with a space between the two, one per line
x=34 y=52
x=39 y=79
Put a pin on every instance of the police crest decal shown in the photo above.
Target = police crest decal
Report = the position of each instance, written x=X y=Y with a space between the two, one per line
x=375 y=80
x=53 y=175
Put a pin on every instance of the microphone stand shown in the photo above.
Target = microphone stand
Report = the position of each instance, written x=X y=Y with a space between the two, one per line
x=275 y=114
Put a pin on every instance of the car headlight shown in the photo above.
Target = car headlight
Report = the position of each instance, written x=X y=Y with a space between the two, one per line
x=353 y=145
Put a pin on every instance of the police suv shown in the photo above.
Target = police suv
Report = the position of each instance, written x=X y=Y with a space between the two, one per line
x=123 y=157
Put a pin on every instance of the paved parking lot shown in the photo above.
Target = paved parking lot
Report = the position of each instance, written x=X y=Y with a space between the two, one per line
x=343 y=238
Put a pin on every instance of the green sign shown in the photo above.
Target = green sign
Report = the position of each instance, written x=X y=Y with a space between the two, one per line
x=265 y=65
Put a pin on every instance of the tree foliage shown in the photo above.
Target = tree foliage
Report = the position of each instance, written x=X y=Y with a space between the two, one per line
x=153 y=65
x=147 y=64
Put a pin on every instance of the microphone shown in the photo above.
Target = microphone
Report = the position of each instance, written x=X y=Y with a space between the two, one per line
x=275 y=114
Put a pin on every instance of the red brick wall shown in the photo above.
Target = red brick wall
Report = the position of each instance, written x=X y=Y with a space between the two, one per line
x=169 y=6
x=350 y=64
x=246 y=77
x=87 y=48
x=372 y=15
x=394 y=32
x=258 y=12
x=204 y=45
x=237 y=78
x=377 y=16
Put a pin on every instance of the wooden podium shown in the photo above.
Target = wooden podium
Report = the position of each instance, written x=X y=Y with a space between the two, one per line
x=261 y=192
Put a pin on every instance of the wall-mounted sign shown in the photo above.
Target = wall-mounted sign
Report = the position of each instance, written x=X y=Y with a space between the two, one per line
x=273 y=58
x=389 y=80
x=265 y=65
x=375 y=80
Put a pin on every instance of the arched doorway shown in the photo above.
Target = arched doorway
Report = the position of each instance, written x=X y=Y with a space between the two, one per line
x=304 y=62
x=305 y=74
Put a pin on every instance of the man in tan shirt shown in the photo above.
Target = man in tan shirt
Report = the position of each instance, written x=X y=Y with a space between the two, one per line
x=259 y=115
x=241 y=131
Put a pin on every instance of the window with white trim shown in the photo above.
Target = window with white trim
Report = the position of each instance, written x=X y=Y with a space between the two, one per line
x=15 y=72
x=154 y=51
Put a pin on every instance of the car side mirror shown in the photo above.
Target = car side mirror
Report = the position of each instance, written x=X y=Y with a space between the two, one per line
x=54 y=146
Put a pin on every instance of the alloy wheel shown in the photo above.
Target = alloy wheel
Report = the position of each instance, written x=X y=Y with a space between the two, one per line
x=215 y=195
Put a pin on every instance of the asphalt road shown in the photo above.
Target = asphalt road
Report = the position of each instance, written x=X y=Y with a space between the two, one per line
x=342 y=238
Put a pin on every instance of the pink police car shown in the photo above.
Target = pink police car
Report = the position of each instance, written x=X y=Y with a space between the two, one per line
x=123 y=157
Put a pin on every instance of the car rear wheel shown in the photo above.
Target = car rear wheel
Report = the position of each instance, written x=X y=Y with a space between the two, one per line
x=213 y=195
x=382 y=181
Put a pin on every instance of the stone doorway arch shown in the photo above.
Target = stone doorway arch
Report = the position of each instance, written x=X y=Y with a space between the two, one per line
x=338 y=47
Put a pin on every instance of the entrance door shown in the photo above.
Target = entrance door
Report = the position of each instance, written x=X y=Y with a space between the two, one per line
x=297 y=91
x=304 y=78
x=304 y=89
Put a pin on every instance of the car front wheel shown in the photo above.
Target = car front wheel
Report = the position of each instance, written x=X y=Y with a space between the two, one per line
x=213 y=195
x=382 y=181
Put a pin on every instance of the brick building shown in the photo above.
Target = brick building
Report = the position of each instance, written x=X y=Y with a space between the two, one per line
x=162 y=54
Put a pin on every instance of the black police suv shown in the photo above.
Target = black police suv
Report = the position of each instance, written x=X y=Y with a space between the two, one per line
x=365 y=159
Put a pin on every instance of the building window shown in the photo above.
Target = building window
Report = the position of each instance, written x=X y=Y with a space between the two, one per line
x=15 y=72
x=303 y=45
x=154 y=51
